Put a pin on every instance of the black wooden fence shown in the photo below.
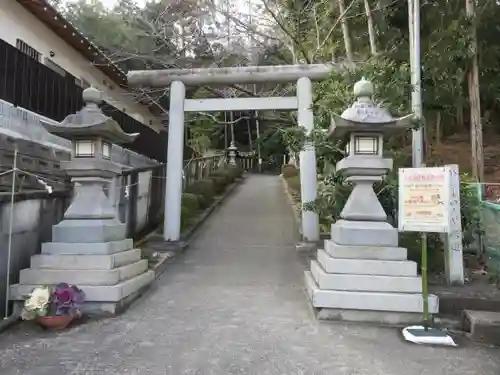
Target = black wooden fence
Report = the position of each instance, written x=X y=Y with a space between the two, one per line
x=32 y=85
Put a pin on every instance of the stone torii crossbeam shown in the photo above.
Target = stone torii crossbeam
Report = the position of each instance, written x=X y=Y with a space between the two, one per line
x=179 y=78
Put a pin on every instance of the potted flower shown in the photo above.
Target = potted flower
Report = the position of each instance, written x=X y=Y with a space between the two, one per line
x=54 y=307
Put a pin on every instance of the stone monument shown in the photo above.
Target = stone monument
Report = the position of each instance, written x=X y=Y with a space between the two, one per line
x=88 y=247
x=362 y=274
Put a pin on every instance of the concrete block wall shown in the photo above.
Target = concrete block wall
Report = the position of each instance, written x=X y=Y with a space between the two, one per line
x=32 y=224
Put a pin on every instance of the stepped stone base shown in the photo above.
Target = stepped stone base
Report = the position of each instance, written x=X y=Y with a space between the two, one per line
x=371 y=286
x=112 y=274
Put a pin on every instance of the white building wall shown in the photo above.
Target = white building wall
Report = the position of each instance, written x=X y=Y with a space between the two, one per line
x=17 y=23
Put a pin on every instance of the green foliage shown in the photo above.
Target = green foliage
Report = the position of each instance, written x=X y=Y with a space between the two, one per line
x=191 y=201
x=390 y=80
x=187 y=215
x=235 y=171
x=204 y=188
x=226 y=173
x=294 y=184
x=220 y=183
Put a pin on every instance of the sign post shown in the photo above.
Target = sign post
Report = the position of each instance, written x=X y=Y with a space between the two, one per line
x=429 y=202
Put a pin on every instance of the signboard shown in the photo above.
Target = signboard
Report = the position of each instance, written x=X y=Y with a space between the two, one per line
x=429 y=199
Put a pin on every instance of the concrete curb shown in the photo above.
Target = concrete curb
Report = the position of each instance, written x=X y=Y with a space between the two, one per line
x=296 y=210
x=167 y=257
x=14 y=319
x=304 y=248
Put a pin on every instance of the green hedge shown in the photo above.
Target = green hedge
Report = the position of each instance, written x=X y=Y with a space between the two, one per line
x=227 y=174
x=220 y=183
x=191 y=201
x=200 y=194
x=204 y=188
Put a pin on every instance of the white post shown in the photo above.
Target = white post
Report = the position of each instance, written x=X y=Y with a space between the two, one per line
x=173 y=185
x=307 y=159
x=454 y=259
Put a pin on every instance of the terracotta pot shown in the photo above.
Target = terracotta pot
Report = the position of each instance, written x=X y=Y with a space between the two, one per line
x=55 y=323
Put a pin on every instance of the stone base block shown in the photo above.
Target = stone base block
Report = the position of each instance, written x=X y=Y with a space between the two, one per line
x=41 y=276
x=96 y=248
x=366 y=266
x=374 y=317
x=365 y=252
x=371 y=301
x=100 y=300
x=85 y=262
x=482 y=326
x=364 y=233
x=88 y=231
x=307 y=248
x=364 y=283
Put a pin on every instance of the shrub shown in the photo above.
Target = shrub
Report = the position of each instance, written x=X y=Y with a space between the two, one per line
x=205 y=188
x=187 y=214
x=191 y=201
x=289 y=170
x=294 y=184
x=226 y=173
x=235 y=171
x=220 y=183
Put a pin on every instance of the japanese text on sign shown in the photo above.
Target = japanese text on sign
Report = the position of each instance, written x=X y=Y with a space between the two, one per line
x=424 y=195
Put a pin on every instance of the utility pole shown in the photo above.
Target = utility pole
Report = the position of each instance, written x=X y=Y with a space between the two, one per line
x=228 y=18
x=257 y=125
x=415 y=71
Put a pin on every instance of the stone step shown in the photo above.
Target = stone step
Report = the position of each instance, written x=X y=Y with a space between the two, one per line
x=85 y=262
x=368 y=301
x=364 y=283
x=34 y=276
x=366 y=266
x=482 y=326
x=365 y=252
x=95 y=293
x=97 y=248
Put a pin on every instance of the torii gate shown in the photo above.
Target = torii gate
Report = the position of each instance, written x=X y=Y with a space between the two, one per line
x=179 y=78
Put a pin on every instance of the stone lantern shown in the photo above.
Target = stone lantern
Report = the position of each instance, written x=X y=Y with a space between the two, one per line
x=90 y=168
x=365 y=124
x=362 y=274
x=89 y=247
x=232 y=153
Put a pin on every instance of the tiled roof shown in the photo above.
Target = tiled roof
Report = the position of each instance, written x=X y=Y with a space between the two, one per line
x=47 y=14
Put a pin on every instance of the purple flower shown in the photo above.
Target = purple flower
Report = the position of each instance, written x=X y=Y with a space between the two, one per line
x=66 y=299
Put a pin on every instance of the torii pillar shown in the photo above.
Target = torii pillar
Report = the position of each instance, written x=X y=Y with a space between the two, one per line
x=303 y=75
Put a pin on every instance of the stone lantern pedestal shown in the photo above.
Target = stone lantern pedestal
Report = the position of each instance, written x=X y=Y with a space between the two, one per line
x=89 y=247
x=362 y=274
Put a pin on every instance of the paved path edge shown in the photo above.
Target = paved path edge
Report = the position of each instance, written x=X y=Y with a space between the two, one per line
x=161 y=266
